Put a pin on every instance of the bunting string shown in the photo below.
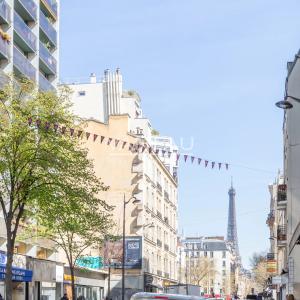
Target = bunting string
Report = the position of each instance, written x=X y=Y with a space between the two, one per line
x=135 y=148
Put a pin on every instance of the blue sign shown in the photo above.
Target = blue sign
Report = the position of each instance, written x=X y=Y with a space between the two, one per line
x=18 y=274
x=133 y=252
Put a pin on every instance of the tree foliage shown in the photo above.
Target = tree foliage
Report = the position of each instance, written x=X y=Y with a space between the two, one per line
x=259 y=270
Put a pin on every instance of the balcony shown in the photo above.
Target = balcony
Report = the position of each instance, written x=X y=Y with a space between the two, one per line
x=159 y=272
x=281 y=196
x=47 y=62
x=166 y=219
x=27 y=9
x=49 y=7
x=166 y=247
x=159 y=243
x=45 y=85
x=48 y=30
x=158 y=185
x=4 y=12
x=23 y=36
x=167 y=275
x=4 y=49
x=281 y=234
x=23 y=65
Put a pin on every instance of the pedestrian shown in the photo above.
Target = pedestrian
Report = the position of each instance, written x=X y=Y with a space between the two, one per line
x=65 y=297
x=1 y=298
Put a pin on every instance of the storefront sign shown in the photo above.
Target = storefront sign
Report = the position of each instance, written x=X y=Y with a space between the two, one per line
x=69 y=277
x=59 y=273
x=17 y=274
x=271 y=266
x=91 y=262
x=133 y=253
x=18 y=260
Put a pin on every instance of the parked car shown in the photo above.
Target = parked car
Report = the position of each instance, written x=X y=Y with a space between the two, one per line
x=146 y=296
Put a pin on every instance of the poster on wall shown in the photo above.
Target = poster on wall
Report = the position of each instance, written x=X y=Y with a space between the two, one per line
x=133 y=253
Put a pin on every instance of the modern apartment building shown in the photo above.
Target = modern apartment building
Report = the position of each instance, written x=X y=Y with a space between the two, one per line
x=277 y=220
x=29 y=40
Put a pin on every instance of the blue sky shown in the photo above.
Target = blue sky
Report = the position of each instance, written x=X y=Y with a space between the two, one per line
x=208 y=71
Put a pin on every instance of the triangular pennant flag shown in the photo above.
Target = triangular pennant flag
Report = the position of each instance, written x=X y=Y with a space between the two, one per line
x=95 y=137
x=63 y=130
x=130 y=147
x=124 y=144
x=169 y=154
x=144 y=148
x=199 y=161
x=38 y=123
x=117 y=142
x=55 y=127
x=185 y=157
x=71 y=131
x=102 y=139
x=163 y=152
x=206 y=163
x=29 y=121
x=47 y=125
x=192 y=159
x=79 y=133
x=212 y=164
x=227 y=166
x=220 y=165
x=109 y=141
x=87 y=134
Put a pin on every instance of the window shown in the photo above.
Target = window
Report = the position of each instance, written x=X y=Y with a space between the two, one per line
x=224 y=273
x=81 y=93
x=224 y=263
x=212 y=282
x=211 y=254
x=224 y=254
x=205 y=253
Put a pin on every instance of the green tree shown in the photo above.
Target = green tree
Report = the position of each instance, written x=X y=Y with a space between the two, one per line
x=40 y=160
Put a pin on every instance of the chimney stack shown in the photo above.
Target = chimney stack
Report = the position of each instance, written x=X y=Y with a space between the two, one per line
x=93 y=78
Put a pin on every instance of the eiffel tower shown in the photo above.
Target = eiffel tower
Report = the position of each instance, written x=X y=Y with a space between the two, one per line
x=232 y=227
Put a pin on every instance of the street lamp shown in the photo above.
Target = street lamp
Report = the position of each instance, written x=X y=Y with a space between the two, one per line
x=135 y=201
x=285 y=103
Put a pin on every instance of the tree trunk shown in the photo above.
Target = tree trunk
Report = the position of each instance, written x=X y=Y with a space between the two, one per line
x=72 y=282
x=8 y=274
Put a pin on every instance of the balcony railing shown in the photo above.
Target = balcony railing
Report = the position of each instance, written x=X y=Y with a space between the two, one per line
x=44 y=84
x=166 y=195
x=51 y=6
x=23 y=65
x=166 y=247
x=48 y=60
x=30 y=7
x=48 y=29
x=159 y=272
x=24 y=32
x=4 y=48
x=166 y=219
x=158 y=185
x=281 y=233
x=4 y=12
x=159 y=243
x=167 y=275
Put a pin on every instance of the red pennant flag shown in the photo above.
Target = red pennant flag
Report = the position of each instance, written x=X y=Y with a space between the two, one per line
x=169 y=154
x=212 y=164
x=29 y=121
x=199 y=161
x=185 y=157
x=47 y=125
x=38 y=123
x=71 y=131
x=95 y=137
x=220 y=165
x=124 y=144
x=178 y=156
x=63 y=130
x=87 y=134
x=79 y=133
x=101 y=139
x=163 y=153
x=117 y=142
x=109 y=141
x=206 y=163
x=227 y=166
x=192 y=159
x=55 y=127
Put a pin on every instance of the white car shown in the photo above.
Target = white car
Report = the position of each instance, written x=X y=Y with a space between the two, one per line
x=144 y=296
